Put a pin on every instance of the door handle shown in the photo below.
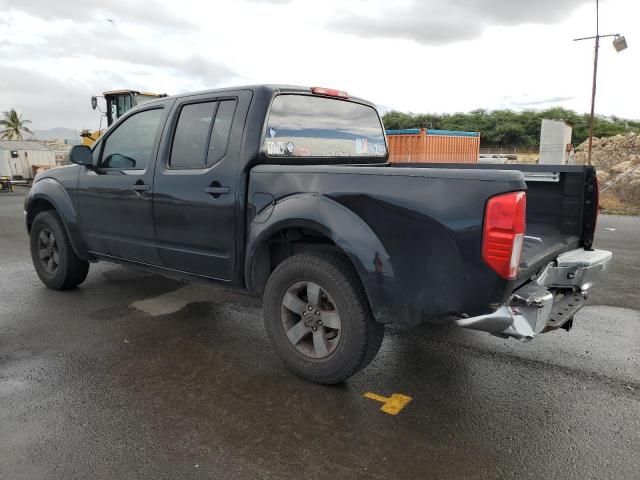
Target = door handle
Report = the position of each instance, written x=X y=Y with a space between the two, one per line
x=217 y=190
x=139 y=186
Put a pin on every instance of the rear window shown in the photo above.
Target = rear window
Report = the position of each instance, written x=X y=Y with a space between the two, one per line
x=308 y=126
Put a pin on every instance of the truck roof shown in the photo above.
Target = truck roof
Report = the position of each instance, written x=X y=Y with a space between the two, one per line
x=265 y=88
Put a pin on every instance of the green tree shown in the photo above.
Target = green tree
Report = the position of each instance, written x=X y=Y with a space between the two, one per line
x=398 y=120
x=509 y=128
x=14 y=125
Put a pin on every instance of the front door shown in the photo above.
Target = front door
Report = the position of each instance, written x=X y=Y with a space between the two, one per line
x=196 y=184
x=115 y=197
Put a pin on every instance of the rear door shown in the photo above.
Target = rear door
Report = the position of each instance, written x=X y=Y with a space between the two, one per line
x=196 y=184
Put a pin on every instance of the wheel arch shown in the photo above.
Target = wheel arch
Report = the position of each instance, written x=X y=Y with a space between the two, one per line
x=36 y=206
x=312 y=221
x=49 y=194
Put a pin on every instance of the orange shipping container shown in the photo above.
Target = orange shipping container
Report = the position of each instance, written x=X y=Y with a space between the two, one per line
x=433 y=146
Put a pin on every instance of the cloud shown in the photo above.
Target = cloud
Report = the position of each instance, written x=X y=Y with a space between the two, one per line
x=51 y=71
x=435 y=22
x=149 y=12
x=539 y=102
x=117 y=45
x=55 y=54
x=49 y=101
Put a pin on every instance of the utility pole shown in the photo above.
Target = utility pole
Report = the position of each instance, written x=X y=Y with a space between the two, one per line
x=595 y=81
x=619 y=44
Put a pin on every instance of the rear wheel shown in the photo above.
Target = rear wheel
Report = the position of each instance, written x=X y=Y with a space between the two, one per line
x=318 y=317
x=57 y=265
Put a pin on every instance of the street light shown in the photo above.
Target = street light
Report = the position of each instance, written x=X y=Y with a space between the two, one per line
x=619 y=43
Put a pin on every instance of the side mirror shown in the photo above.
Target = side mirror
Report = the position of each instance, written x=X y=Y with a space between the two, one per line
x=94 y=102
x=81 y=155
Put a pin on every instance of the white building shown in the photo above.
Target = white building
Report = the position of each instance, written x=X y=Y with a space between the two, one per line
x=22 y=159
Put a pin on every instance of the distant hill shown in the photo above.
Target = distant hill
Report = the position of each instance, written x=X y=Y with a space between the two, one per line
x=72 y=136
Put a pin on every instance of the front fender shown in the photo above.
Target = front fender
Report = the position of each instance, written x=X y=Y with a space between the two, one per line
x=53 y=192
x=347 y=230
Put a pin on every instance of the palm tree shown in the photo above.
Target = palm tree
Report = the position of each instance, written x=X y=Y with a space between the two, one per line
x=13 y=125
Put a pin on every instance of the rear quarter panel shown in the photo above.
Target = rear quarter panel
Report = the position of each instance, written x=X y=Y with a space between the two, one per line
x=413 y=235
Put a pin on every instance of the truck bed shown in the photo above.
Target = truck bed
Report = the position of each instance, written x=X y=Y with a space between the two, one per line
x=561 y=204
x=542 y=244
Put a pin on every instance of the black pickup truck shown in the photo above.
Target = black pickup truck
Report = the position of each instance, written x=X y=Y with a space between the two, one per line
x=285 y=192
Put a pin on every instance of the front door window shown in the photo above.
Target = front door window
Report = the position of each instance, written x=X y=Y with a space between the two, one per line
x=130 y=146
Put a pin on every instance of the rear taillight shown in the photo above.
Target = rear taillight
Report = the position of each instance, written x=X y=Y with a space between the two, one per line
x=329 y=92
x=503 y=235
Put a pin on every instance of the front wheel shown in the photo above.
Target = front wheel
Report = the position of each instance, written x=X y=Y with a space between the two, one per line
x=57 y=265
x=318 y=318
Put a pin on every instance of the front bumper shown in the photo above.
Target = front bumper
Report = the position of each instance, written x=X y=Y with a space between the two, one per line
x=548 y=301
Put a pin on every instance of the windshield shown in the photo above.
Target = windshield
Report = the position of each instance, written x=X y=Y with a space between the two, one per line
x=308 y=126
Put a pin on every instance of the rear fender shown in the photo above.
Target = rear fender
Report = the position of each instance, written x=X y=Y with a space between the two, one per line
x=348 y=231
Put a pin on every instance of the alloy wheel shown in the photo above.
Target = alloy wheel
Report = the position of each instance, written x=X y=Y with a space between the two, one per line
x=311 y=320
x=48 y=250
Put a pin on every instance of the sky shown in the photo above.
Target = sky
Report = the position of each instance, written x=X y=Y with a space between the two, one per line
x=409 y=55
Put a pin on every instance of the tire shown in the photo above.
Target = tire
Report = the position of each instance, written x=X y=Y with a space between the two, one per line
x=57 y=265
x=334 y=354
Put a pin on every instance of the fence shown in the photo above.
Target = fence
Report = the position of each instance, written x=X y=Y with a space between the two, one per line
x=508 y=150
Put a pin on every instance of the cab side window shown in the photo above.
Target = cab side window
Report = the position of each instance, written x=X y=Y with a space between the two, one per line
x=130 y=146
x=190 y=140
x=202 y=134
x=221 y=130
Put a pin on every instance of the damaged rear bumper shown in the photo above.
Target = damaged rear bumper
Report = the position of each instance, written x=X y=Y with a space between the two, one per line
x=547 y=302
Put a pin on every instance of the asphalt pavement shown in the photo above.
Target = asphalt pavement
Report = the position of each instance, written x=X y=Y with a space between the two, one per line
x=136 y=376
